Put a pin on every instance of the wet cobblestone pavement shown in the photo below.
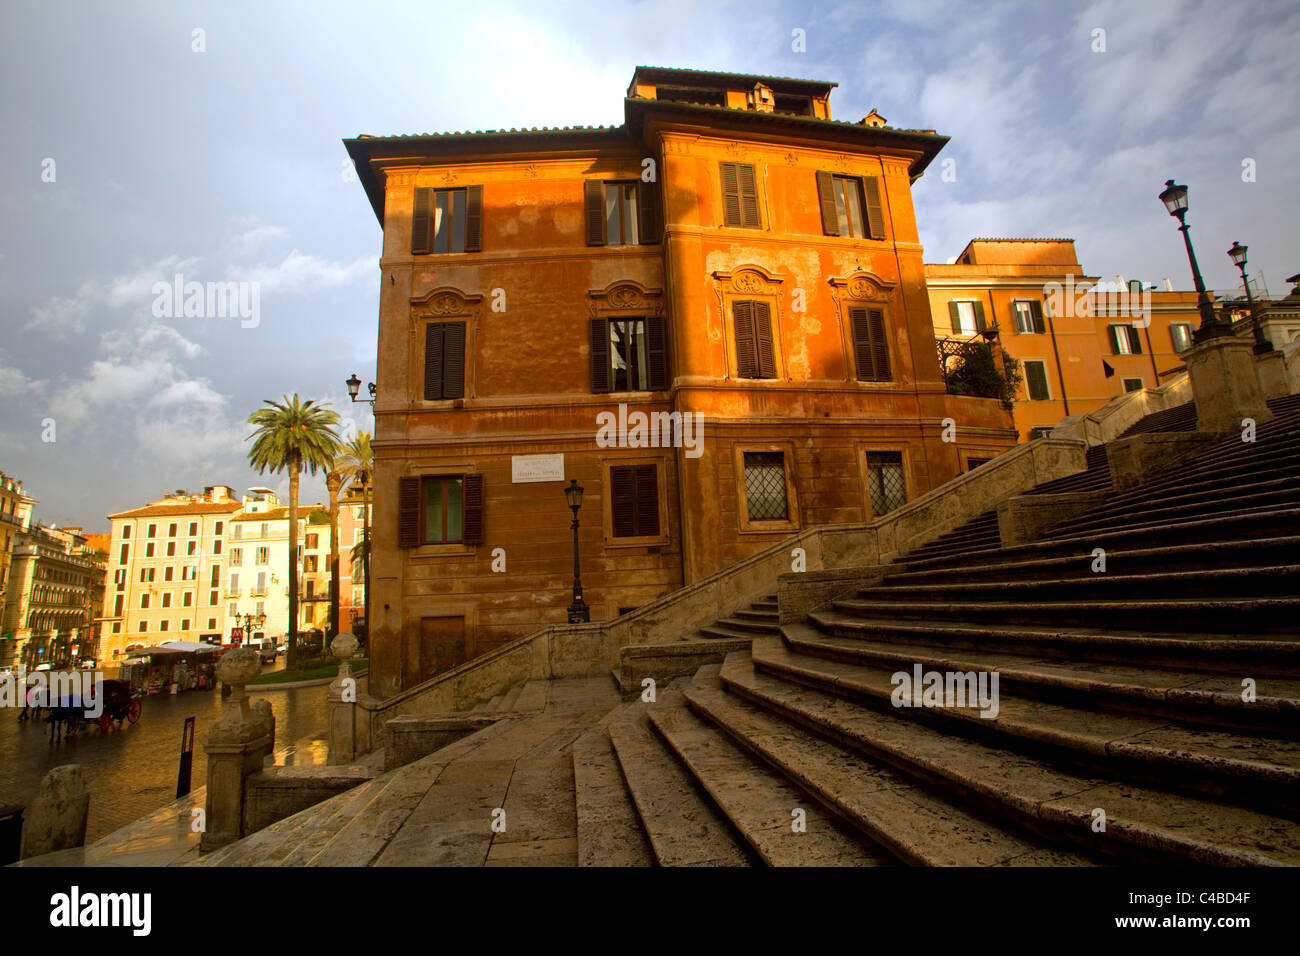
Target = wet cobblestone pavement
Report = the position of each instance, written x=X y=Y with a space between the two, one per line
x=132 y=771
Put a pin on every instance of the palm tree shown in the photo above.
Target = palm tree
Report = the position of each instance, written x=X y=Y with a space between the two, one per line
x=357 y=466
x=293 y=435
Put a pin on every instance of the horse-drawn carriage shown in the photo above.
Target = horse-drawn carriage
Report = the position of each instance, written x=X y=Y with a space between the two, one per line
x=118 y=702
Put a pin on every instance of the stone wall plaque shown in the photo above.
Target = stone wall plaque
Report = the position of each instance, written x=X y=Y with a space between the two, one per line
x=526 y=468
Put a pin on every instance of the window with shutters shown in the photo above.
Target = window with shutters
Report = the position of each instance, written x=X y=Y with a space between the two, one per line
x=885 y=481
x=444 y=360
x=629 y=354
x=634 y=501
x=1134 y=385
x=1027 y=316
x=1036 y=380
x=870 y=347
x=167 y=573
x=621 y=213
x=440 y=510
x=739 y=196
x=850 y=205
x=967 y=317
x=1181 y=334
x=1124 y=340
x=447 y=220
x=755 y=343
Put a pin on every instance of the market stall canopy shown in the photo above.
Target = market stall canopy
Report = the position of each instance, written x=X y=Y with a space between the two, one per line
x=176 y=648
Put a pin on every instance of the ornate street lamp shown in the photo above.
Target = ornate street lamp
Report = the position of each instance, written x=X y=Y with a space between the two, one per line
x=1238 y=256
x=1175 y=199
x=578 y=611
x=354 y=386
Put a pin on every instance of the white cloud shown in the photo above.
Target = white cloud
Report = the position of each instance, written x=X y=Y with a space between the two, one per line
x=62 y=317
x=253 y=234
x=298 y=273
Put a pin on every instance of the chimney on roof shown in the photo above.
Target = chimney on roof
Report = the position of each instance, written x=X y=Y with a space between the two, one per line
x=873 y=119
x=761 y=99
x=1169 y=286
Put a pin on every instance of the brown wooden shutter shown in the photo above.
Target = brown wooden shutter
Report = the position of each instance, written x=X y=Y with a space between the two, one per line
x=472 y=510
x=433 y=361
x=473 y=218
x=730 y=195
x=746 y=356
x=763 y=339
x=826 y=196
x=453 y=360
x=657 y=352
x=955 y=314
x=1113 y=332
x=420 y=223
x=748 y=196
x=594 y=195
x=1135 y=343
x=622 y=482
x=980 y=325
x=875 y=214
x=600 y=371
x=647 y=500
x=1036 y=310
x=408 y=512
x=879 y=344
x=648 y=228
x=863 y=357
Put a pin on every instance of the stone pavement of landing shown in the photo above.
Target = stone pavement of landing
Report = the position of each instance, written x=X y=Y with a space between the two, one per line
x=441 y=810
x=165 y=837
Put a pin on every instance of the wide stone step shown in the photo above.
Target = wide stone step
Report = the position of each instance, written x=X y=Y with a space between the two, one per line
x=1225 y=504
x=683 y=826
x=1077 y=561
x=1141 y=823
x=1111 y=584
x=918 y=826
x=745 y=625
x=1270 y=654
x=761 y=804
x=512 y=695
x=722 y=632
x=1261 y=523
x=609 y=830
x=1173 y=694
x=1219 y=615
x=1116 y=743
x=752 y=614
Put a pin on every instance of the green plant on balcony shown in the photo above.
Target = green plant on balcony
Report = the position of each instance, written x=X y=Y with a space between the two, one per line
x=974 y=371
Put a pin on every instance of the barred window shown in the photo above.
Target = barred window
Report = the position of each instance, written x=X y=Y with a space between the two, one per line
x=885 y=481
x=765 y=491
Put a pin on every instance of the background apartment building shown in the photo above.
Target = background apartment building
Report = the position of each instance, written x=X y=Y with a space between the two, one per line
x=729 y=251
x=1074 y=359
x=167 y=570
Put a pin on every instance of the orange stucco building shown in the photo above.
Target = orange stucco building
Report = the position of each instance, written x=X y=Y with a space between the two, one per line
x=730 y=256
x=1079 y=346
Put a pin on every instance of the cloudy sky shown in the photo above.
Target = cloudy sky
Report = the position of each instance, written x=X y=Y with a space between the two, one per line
x=225 y=164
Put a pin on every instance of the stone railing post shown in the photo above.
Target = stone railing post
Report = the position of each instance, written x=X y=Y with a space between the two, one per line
x=343 y=704
x=236 y=747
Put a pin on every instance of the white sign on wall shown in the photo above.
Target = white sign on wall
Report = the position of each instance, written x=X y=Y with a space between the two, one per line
x=525 y=468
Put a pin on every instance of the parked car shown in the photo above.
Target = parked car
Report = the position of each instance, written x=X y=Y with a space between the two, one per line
x=266 y=649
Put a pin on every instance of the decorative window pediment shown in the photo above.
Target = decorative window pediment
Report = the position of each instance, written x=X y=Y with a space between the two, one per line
x=444 y=301
x=861 y=286
x=625 y=295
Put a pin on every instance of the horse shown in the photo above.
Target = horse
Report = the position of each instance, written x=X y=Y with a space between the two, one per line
x=65 y=716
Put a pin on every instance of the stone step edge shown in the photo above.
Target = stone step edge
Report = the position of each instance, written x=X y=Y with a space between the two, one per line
x=1116 y=751
x=1134 y=835
x=799 y=637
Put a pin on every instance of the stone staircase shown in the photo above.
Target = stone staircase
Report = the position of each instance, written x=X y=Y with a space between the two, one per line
x=1147 y=712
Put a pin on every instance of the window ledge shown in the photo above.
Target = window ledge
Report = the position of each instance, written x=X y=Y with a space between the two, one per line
x=767 y=527
x=441 y=550
x=645 y=541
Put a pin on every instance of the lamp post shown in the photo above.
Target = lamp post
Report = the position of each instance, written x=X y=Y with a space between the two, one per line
x=578 y=611
x=1175 y=199
x=354 y=386
x=1238 y=256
